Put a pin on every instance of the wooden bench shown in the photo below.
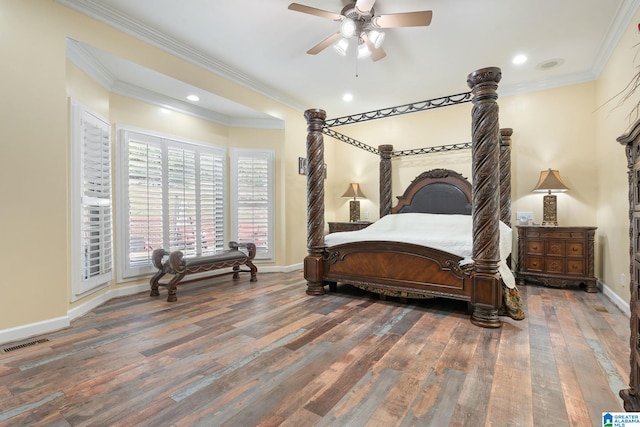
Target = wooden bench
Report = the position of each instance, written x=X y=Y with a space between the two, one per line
x=175 y=263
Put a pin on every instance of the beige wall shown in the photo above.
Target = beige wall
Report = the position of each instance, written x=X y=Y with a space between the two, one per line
x=560 y=128
x=35 y=222
x=612 y=121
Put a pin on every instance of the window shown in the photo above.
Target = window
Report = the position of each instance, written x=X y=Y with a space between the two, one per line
x=252 y=199
x=91 y=211
x=172 y=193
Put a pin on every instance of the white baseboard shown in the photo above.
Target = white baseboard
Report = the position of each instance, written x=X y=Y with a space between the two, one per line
x=38 y=328
x=50 y=325
x=615 y=299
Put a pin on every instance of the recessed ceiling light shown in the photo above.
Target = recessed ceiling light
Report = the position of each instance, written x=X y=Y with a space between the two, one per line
x=519 y=59
x=347 y=97
x=193 y=98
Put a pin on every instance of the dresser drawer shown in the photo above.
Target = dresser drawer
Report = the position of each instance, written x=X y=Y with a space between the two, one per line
x=575 y=266
x=535 y=247
x=554 y=265
x=554 y=247
x=535 y=264
x=575 y=249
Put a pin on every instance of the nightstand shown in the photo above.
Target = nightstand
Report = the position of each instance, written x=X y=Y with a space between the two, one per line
x=556 y=256
x=347 y=226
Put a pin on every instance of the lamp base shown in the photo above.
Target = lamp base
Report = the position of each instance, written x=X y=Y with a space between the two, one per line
x=550 y=210
x=354 y=210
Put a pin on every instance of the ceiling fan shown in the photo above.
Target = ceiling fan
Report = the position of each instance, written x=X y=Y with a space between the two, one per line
x=358 y=21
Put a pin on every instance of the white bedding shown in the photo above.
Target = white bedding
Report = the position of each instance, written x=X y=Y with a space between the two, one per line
x=450 y=233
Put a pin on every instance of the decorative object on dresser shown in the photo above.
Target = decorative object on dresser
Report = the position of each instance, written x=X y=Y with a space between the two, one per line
x=354 y=205
x=631 y=142
x=556 y=256
x=550 y=182
x=335 y=227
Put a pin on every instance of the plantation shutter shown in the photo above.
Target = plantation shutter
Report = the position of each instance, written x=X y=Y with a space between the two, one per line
x=252 y=197
x=145 y=201
x=211 y=200
x=175 y=196
x=92 y=148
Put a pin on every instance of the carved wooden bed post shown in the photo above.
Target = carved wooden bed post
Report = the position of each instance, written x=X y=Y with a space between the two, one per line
x=505 y=175
x=313 y=266
x=385 y=179
x=486 y=294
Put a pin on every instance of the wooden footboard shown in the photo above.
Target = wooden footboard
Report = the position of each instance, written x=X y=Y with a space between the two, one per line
x=397 y=268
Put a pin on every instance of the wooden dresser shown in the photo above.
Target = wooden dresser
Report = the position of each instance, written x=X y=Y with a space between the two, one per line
x=556 y=256
x=631 y=142
x=334 y=227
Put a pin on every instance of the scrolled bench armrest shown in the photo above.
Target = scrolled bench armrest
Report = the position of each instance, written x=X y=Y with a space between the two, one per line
x=251 y=248
x=157 y=256
x=175 y=261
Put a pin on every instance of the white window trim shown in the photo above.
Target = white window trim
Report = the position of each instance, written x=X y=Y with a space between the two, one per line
x=269 y=155
x=124 y=271
x=79 y=286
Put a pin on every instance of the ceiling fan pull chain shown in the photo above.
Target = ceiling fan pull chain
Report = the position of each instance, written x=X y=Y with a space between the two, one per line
x=356 y=58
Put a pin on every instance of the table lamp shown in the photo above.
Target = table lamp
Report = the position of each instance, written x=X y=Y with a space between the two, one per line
x=550 y=182
x=354 y=205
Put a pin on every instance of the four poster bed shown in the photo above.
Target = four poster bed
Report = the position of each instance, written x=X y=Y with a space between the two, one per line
x=420 y=262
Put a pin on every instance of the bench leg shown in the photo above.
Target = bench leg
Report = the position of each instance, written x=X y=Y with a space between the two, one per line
x=154 y=283
x=172 y=287
x=236 y=272
x=254 y=271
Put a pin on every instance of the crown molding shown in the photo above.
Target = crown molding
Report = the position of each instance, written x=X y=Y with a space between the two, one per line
x=627 y=10
x=82 y=58
x=544 y=84
x=115 y=19
x=88 y=63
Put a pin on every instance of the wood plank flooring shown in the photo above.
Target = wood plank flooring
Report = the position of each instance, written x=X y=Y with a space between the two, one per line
x=234 y=353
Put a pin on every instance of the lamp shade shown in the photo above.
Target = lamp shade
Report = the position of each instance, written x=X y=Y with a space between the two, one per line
x=353 y=190
x=550 y=182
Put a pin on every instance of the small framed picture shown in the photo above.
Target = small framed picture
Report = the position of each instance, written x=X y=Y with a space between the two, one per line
x=302 y=167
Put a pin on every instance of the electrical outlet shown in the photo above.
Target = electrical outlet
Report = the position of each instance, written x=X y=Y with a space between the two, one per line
x=524 y=218
x=366 y=215
x=623 y=279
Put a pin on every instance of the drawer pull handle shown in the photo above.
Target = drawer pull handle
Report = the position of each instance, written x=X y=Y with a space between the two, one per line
x=554 y=265
x=535 y=264
x=535 y=247
x=574 y=249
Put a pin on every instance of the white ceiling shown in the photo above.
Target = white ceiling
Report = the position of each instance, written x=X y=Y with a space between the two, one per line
x=261 y=44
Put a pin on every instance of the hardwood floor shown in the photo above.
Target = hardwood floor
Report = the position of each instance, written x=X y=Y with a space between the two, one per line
x=234 y=353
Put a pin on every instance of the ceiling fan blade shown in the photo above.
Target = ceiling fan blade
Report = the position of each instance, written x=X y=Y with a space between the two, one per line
x=324 y=44
x=313 y=11
x=377 y=53
x=408 y=19
x=364 y=6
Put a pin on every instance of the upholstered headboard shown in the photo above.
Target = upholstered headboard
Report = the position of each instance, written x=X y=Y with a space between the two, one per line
x=440 y=191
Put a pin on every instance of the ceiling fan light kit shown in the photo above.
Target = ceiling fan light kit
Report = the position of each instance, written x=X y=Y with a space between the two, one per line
x=348 y=28
x=341 y=46
x=359 y=21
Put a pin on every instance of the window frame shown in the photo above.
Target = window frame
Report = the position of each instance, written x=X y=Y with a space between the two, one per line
x=269 y=156
x=80 y=285
x=125 y=271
